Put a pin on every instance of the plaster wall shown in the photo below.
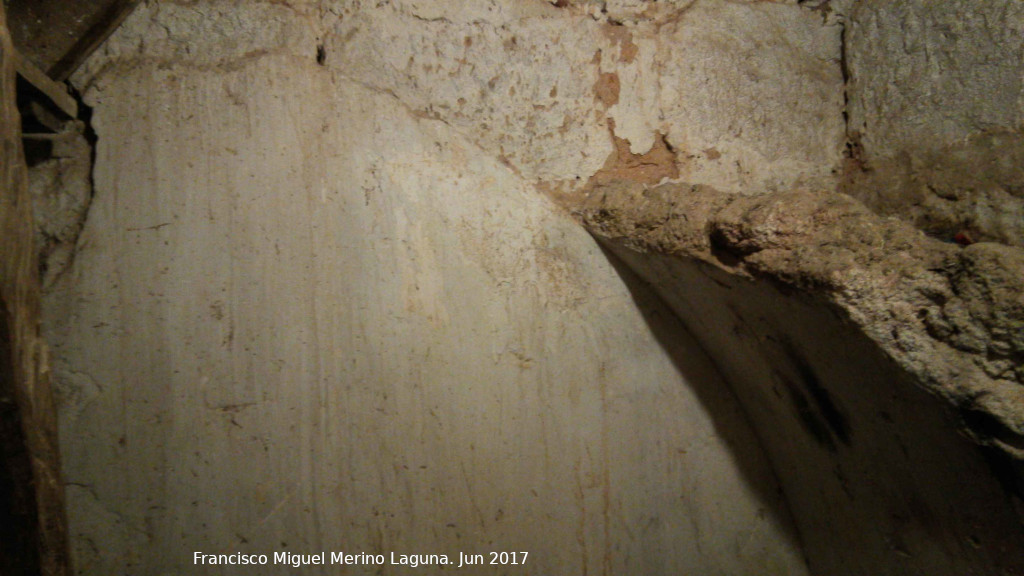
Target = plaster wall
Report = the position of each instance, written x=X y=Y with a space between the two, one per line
x=936 y=109
x=306 y=315
x=322 y=299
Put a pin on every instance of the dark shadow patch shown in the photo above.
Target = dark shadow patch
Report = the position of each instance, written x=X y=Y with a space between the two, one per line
x=37 y=150
x=812 y=377
x=1008 y=471
x=807 y=415
x=724 y=407
x=837 y=421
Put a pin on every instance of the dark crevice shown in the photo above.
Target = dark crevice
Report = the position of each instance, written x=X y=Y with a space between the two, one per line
x=85 y=116
x=853 y=149
x=844 y=70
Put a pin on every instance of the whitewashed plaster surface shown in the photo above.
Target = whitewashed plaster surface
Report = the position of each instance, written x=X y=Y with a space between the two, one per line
x=748 y=93
x=323 y=307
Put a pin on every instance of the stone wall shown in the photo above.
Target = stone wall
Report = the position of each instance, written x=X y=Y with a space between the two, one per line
x=936 y=112
x=315 y=306
x=323 y=298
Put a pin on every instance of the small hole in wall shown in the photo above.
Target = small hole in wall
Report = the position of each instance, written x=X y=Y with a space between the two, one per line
x=321 y=54
x=722 y=250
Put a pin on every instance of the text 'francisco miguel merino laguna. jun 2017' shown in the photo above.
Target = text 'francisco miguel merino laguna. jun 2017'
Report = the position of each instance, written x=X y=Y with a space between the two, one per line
x=329 y=558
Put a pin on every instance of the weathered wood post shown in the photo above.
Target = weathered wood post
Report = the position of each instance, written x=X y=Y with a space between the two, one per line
x=33 y=527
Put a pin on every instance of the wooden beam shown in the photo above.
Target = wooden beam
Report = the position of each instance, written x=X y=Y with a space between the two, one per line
x=32 y=516
x=57 y=92
x=105 y=25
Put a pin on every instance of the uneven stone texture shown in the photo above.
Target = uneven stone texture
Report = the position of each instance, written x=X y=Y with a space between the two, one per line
x=60 y=185
x=827 y=320
x=952 y=316
x=936 y=111
x=308 y=313
x=535 y=85
x=318 y=283
x=31 y=492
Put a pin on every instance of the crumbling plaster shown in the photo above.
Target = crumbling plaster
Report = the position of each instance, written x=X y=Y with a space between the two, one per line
x=337 y=210
x=525 y=81
x=319 y=303
x=281 y=337
x=61 y=189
